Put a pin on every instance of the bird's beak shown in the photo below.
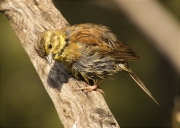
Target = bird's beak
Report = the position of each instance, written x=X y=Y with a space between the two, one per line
x=49 y=58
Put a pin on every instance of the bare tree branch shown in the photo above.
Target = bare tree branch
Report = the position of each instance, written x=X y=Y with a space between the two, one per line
x=28 y=19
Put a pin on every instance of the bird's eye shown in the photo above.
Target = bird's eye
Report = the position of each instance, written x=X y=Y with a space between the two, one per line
x=49 y=46
x=66 y=39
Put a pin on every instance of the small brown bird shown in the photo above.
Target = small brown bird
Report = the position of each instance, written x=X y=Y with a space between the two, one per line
x=89 y=51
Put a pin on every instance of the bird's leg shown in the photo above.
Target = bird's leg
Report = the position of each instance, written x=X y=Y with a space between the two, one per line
x=91 y=88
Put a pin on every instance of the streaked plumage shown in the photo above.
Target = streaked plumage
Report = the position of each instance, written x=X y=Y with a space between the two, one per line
x=89 y=51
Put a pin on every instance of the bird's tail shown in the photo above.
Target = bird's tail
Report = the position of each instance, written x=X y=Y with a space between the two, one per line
x=137 y=80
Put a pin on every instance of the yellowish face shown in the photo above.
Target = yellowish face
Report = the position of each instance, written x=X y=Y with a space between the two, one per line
x=53 y=42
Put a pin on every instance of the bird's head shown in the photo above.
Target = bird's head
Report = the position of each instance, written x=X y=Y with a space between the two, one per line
x=52 y=42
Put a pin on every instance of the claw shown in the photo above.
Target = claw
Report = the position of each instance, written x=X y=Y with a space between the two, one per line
x=91 y=88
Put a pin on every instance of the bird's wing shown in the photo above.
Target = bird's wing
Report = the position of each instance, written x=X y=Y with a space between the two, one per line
x=99 y=39
x=124 y=52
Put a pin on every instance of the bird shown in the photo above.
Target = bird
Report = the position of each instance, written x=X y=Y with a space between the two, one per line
x=90 y=52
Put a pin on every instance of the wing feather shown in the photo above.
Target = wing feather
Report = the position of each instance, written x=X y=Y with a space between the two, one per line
x=99 y=39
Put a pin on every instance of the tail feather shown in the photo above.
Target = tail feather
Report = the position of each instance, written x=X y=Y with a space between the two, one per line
x=137 y=80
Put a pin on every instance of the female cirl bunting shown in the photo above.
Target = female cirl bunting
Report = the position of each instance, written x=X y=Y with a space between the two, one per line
x=89 y=51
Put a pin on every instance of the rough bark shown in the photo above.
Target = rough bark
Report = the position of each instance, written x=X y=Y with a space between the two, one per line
x=28 y=19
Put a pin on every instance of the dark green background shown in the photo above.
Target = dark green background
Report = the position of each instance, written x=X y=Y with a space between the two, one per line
x=25 y=103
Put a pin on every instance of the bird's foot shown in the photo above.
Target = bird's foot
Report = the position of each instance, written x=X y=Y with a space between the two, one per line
x=91 y=88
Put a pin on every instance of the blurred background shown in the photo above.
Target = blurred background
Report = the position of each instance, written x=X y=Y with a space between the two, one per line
x=25 y=103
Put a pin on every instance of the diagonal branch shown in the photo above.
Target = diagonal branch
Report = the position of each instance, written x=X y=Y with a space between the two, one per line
x=28 y=19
